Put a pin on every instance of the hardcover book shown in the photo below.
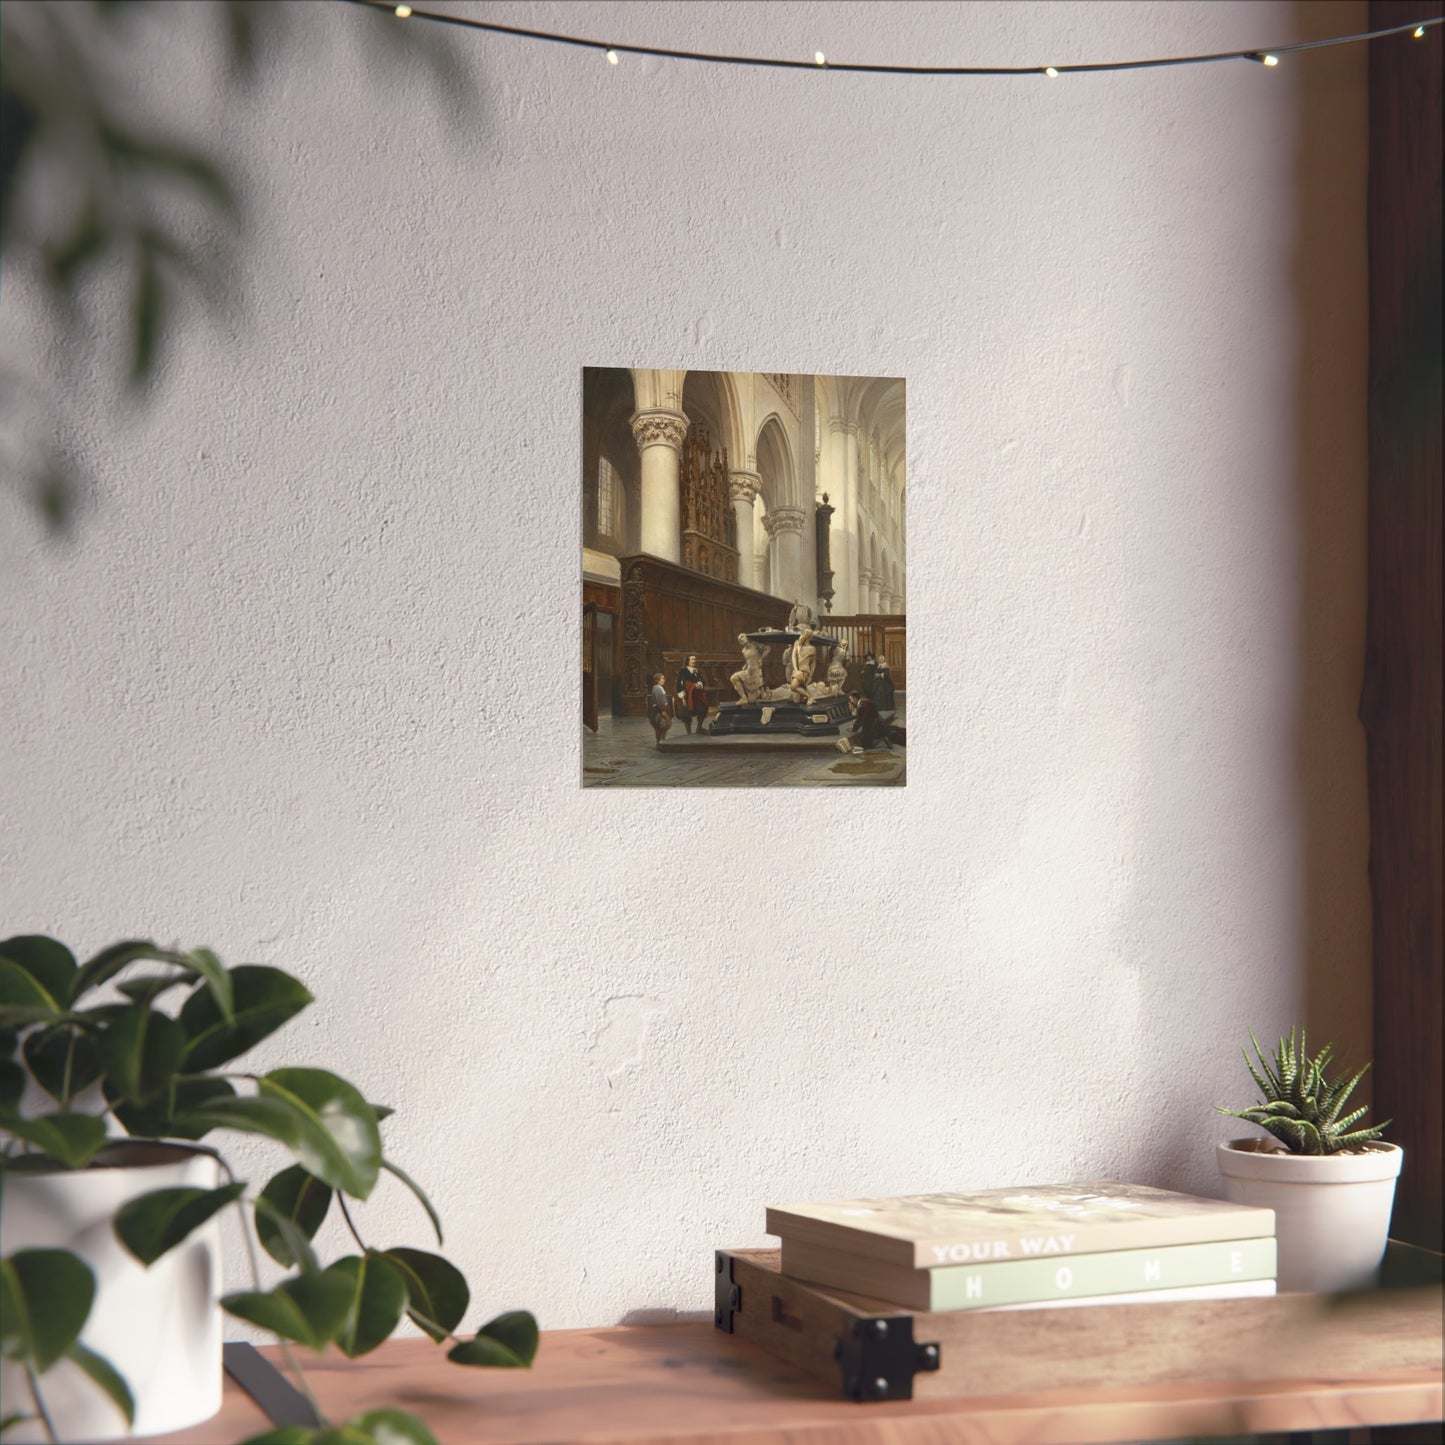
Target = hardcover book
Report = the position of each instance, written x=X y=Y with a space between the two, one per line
x=925 y=1231
x=1033 y=1281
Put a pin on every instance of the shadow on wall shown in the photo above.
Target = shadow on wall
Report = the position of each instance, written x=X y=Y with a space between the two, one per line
x=1323 y=902
x=1331 y=304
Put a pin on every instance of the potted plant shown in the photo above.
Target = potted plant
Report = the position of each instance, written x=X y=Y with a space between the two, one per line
x=112 y=1086
x=1331 y=1185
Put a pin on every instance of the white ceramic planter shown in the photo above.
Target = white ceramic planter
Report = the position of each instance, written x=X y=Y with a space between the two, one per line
x=160 y=1327
x=1331 y=1212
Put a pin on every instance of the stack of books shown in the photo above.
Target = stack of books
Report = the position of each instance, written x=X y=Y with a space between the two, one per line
x=1031 y=1247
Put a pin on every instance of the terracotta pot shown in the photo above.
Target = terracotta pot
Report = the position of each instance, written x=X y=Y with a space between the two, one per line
x=1331 y=1211
x=160 y=1327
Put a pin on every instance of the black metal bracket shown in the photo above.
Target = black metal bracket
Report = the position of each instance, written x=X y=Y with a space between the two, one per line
x=280 y=1401
x=880 y=1357
x=727 y=1296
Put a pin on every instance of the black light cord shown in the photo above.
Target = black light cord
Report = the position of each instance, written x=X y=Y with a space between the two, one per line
x=612 y=50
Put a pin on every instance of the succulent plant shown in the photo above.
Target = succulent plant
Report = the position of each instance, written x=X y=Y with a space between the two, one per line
x=1301 y=1108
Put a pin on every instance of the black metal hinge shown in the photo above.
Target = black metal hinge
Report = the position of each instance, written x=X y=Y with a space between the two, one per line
x=727 y=1296
x=880 y=1358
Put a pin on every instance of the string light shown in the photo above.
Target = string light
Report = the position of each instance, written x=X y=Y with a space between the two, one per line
x=612 y=57
x=1260 y=56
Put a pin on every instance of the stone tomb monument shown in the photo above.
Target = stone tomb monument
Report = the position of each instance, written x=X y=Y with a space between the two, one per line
x=810 y=702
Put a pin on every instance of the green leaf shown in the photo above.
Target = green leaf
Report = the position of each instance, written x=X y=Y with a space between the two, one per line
x=109 y=962
x=310 y=1310
x=378 y=1296
x=151 y=1224
x=331 y=1143
x=45 y=1299
x=210 y=968
x=340 y=1143
x=507 y=1342
x=50 y=964
x=23 y=999
x=148 y=989
x=11 y=1421
x=382 y=1111
x=392 y=1427
x=163 y=1117
x=141 y=1051
x=437 y=1293
x=284 y=1435
x=63 y=1060
x=341 y=1435
x=296 y=1196
x=72 y=1139
x=416 y=1189
x=263 y=999
x=12 y=1086
x=187 y=1094
x=295 y=1243
x=104 y=1374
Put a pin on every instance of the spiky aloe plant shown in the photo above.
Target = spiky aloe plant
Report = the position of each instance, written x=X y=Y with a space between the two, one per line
x=1301 y=1108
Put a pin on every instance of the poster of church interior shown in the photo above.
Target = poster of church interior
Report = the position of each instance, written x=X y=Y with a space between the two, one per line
x=744 y=618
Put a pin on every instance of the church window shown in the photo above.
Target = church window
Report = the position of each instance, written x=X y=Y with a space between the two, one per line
x=610 y=503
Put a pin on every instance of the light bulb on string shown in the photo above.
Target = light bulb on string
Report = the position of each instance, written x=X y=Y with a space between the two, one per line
x=1260 y=57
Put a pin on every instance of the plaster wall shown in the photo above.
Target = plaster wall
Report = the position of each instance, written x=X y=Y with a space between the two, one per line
x=300 y=685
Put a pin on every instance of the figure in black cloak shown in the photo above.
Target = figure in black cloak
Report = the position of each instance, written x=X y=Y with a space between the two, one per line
x=869 y=730
x=691 y=695
x=867 y=677
x=883 y=698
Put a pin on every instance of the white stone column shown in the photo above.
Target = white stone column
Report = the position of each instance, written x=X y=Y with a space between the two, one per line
x=785 y=526
x=856 y=600
x=743 y=492
x=659 y=433
x=867 y=591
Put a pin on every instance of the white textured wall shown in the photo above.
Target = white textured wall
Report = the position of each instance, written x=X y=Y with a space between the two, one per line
x=302 y=687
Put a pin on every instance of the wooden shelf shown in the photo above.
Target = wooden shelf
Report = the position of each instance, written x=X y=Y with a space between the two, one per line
x=670 y=1384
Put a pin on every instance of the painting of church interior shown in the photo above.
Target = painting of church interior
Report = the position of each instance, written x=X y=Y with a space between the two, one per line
x=744 y=618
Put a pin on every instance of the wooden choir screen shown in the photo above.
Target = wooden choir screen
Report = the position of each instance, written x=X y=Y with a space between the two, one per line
x=884 y=634
x=669 y=611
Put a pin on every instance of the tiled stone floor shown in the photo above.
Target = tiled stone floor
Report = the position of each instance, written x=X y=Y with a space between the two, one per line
x=623 y=754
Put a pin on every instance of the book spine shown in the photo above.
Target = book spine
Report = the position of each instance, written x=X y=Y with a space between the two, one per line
x=1030 y=1281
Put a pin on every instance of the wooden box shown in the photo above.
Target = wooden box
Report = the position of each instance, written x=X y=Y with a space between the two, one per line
x=871 y=1350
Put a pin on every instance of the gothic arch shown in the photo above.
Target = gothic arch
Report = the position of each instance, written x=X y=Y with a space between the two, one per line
x=712 y=397
x=776 y=470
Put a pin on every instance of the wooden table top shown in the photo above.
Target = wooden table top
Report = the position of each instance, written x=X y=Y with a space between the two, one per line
x=694 y=1385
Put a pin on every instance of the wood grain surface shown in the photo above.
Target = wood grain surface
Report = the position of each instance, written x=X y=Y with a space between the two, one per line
x=670 y=1384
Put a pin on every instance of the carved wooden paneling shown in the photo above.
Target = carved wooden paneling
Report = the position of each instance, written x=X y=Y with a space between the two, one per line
x=601 y=595
x=1400 y=702
x=669 y=611
x=709 y=526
